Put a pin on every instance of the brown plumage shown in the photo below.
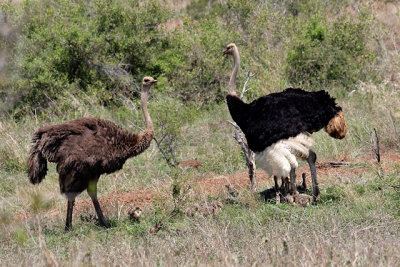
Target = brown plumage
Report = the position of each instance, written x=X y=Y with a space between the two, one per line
x=84 y=149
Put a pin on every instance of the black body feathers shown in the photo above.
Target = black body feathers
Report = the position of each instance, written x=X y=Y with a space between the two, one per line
x=278 y=116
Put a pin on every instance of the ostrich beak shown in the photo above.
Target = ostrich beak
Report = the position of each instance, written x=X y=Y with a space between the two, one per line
x=154 y=81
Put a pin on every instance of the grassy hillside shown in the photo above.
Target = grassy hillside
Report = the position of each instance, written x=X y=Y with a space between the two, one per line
x=61 y=60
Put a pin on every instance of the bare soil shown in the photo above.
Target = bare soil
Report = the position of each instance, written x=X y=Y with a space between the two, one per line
x=214 y=185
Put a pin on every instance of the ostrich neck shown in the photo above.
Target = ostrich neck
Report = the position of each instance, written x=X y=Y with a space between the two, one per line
x=144 y=97
x=232 y=81
x=137 y=143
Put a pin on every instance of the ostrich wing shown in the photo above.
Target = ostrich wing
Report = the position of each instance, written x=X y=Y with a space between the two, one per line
x=282 y=115
x=101 y=142
x=86 y=143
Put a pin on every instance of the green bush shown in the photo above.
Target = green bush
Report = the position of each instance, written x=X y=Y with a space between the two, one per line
x=328 y=54
x=193 y=62
x=100 y=48
x=82 y=46
x=170 y=116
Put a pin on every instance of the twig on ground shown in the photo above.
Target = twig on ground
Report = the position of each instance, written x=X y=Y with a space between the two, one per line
x=395 y=186
x=376 y=149
x=338 y=163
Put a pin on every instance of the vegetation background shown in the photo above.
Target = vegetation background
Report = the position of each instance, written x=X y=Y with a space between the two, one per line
x=61 y=60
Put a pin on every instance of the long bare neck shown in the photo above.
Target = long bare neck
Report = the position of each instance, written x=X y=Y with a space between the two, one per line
x=137 y=143
x=144 y=98
x=232 y=81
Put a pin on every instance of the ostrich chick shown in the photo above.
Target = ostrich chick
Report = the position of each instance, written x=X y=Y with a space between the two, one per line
x=135 y=213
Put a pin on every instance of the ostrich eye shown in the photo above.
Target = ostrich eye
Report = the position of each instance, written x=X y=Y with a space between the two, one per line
x=146 y=80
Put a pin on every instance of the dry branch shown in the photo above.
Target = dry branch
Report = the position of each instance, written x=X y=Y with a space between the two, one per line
x=116 y=73
x=245 y=89
x=338 y=163
x=170 y=159
x=239 y=137
x=375 y=146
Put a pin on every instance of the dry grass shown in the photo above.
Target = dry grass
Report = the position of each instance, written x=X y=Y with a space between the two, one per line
x=357 y=223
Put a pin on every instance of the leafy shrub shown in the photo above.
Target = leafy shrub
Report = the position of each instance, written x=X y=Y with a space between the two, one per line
x=170 y=116
x=192 y=61
x=327 y=54
x=101 y=47
x=79 y=45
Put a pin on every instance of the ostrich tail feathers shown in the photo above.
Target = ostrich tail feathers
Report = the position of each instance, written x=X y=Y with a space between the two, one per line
x=37 y=163
x=300 y=145
x=337 y=127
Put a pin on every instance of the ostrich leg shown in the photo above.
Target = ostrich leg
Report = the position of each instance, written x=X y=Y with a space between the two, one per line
x=304 y=184
x=68 y=224
x=312 y=158
x=276 y=183
x=92 y=191
x=292 y=187
x=277 y=196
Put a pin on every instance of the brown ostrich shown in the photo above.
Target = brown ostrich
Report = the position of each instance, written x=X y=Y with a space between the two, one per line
x=84 y=149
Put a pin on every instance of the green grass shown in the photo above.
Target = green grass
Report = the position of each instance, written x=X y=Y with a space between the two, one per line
x=345 y=228
x=356 y=222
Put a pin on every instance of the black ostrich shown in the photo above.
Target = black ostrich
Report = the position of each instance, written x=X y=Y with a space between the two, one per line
x=278 y=126
x=84 y=149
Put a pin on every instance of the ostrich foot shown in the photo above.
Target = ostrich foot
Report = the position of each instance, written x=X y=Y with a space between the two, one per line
x=316 y=194
x=104 y=224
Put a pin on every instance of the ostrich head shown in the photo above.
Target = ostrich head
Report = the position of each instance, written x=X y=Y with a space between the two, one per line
x=228 y=50
x=148 y=82
x=232 y=50
x=137 y=212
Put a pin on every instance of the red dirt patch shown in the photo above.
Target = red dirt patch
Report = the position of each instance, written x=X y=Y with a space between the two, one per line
x=218 y=184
